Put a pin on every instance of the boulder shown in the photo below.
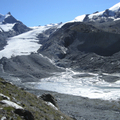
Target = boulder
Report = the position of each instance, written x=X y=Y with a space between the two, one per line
x=49 y=98
x=25 y=113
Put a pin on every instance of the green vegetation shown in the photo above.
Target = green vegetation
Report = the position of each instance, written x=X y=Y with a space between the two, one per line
x=39 y=109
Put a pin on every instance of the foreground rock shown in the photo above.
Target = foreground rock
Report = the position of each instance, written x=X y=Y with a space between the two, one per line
x=26 y=114
x=49 y=98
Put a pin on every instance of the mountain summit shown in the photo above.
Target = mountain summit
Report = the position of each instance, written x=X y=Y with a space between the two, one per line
x=9 y=27
x=8 y=18
x=110 y=14
x=107 y=20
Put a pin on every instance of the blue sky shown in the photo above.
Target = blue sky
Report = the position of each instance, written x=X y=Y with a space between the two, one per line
x=42 y=12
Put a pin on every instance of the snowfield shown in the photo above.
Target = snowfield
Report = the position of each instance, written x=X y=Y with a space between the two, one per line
x=6 y=27
x=11 y=104
x=23 y=44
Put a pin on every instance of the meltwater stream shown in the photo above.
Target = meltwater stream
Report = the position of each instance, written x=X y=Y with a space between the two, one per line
x=80 y=84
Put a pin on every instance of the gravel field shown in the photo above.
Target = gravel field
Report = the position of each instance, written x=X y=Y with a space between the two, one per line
x=81 y=108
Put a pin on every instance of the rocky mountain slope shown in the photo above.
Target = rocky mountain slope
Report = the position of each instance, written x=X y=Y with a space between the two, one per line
x=83 y=47
x=17 y=104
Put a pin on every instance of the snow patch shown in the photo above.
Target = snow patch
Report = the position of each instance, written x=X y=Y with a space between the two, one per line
x=116 y=7
x=4 y=96
x=48 y=25
x=79 y=18
x=96 y=14
x=7 y=15
x=50 y=104
x=3 y=118
x=11 y=104
x=7 y=27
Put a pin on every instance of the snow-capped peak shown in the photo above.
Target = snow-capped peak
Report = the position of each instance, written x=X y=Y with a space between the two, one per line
x=7 y=15
x=111 y=13
x=115 y=8
x=2 y=17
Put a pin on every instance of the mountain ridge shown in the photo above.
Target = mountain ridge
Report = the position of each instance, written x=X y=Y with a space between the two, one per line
x=107 y=20
x=8 y=18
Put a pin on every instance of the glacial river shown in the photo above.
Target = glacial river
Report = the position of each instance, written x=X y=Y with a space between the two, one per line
x=80 y=84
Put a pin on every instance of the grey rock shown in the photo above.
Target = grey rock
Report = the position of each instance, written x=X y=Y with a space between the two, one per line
x=25 y=113
x=20 y=28
x=49 y=98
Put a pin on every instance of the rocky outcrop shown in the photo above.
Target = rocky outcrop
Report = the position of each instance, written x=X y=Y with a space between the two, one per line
x=3 y=41
x=25 y=113
x=10 y=19
x=49 y=98
x=20 y=28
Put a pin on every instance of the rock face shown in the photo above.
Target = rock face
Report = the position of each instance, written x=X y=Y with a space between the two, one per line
x=3 y=41
x=10 y=19
x=107 y=26
x=25 y=113
x=20 y=28
x=84 y=47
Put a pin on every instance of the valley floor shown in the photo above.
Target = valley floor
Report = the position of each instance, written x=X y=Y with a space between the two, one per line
x=81 y=108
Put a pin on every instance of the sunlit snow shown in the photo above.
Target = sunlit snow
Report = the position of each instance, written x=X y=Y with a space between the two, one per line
x=79 y=18
x=23 y=44
x=91 y=86
x=112 y=11
x=11 y=104
x=115 y=7
x=6 y=27
x=4 y=96
x=50 y=104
